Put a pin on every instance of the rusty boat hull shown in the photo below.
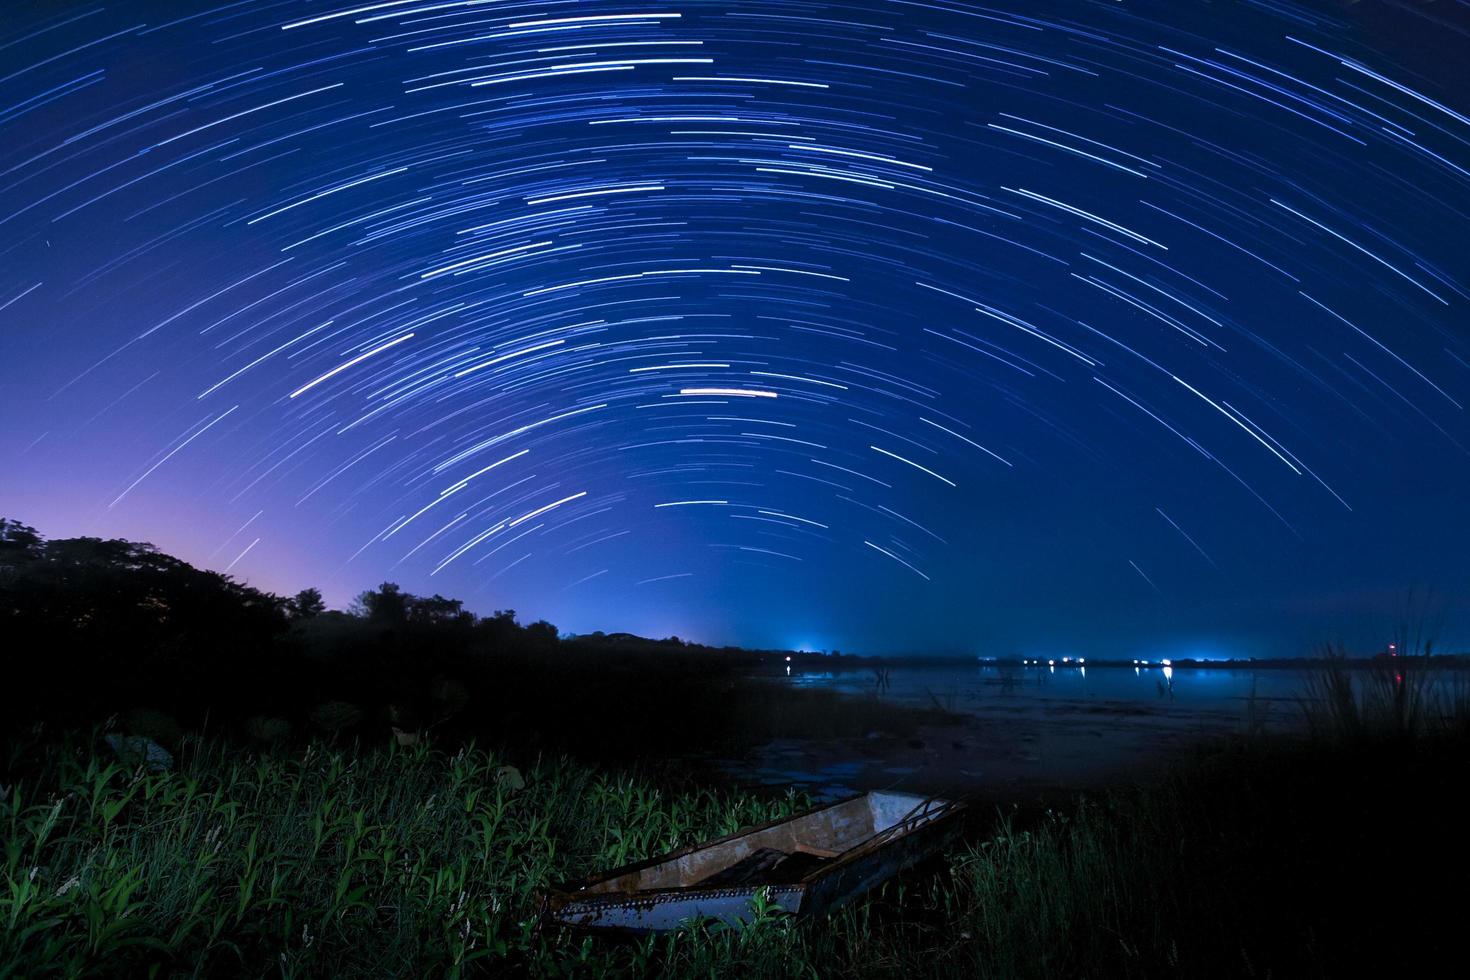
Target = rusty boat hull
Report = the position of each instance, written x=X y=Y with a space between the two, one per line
x=806 y=865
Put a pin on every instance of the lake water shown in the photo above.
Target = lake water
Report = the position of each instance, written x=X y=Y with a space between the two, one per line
x=1177 y=691
x=1027 y=730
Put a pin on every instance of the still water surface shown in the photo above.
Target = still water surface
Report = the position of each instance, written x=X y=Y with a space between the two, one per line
x=1179 y=691
x=1025 y=730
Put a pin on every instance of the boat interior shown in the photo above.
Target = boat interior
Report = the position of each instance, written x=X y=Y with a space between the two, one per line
x=783 y=853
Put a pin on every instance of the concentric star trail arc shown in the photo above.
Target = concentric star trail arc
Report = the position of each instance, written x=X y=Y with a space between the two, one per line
x=709 y=318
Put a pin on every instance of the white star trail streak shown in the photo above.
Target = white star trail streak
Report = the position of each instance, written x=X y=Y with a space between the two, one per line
x=876 y=311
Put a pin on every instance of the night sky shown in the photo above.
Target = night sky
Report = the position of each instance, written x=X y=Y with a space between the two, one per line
x=873 y=325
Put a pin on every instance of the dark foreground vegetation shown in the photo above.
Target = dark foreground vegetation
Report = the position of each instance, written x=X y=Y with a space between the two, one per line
x=1253 y=860
x=325 y=812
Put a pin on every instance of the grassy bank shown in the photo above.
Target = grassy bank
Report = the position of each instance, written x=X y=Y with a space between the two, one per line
x=1255 y=859
x=320 y=862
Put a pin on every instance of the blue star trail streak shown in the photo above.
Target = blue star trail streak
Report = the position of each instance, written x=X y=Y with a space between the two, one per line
x=879 y=324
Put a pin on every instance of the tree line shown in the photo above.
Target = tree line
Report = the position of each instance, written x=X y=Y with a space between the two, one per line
x=96 y=631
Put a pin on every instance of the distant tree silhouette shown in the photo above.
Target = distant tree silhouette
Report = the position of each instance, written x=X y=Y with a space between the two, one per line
x=387 y=605
x=499 y=629
x=18 y=542
x=94 y=629
x=307 y=604
x=435 y=610
x=541 y=634
x=90 y=622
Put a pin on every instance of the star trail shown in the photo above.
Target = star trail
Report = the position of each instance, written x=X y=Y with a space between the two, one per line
x=873 y=324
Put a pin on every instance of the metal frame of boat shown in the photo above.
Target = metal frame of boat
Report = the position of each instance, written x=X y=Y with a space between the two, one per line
x=809 y=864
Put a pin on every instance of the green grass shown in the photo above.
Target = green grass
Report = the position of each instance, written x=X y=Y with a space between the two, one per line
x=373 y=863
x=1255 y=859
x=1395 y=698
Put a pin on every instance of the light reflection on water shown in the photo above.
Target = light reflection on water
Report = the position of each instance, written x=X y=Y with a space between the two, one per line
x=1058 y=724
x=973 y=689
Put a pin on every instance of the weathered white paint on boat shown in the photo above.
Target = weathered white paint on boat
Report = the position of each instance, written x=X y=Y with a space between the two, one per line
x=808 y=864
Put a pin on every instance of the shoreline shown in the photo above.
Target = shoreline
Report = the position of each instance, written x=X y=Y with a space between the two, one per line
x=1001 y=751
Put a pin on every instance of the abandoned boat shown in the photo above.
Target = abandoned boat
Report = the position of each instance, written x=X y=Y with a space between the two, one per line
x=807 y=864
